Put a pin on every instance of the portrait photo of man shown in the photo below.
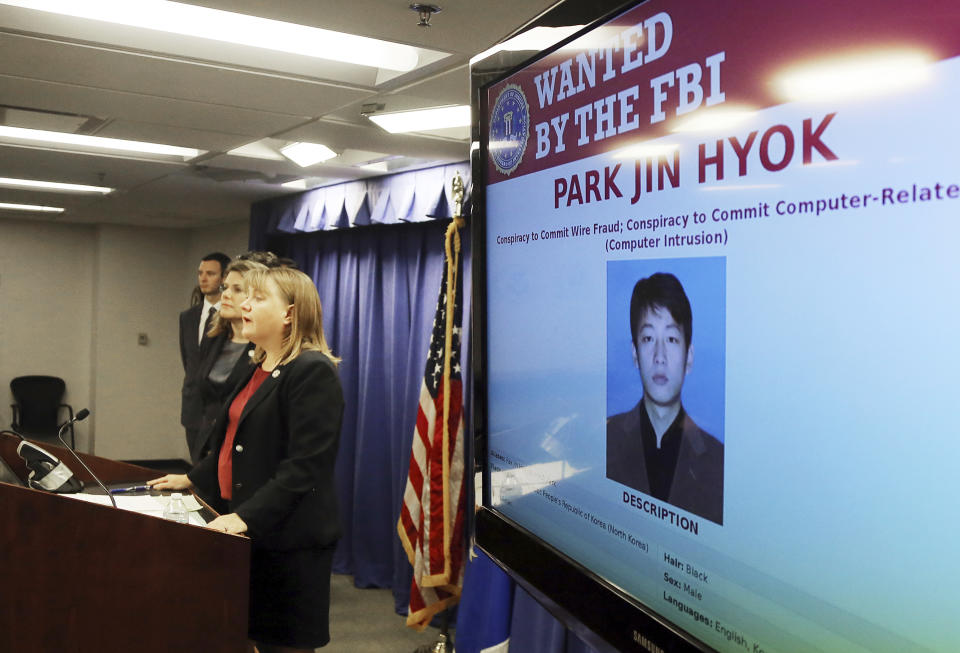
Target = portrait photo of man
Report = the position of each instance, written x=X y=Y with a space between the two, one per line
x=656 y=447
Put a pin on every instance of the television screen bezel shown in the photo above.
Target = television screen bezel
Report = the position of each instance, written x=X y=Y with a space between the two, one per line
x=600 y=613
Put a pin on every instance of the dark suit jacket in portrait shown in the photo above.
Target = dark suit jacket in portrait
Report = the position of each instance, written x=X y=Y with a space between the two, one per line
x=191 y=407
x=697 y=484
x=283 y=456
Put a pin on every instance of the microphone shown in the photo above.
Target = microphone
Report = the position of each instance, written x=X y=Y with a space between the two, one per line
x=79 y=417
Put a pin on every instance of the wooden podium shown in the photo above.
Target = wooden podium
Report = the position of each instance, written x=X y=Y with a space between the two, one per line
x=77 y=577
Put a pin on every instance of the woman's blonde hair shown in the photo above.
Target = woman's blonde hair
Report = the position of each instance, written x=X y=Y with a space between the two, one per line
x=306 y=326
x=242 y=267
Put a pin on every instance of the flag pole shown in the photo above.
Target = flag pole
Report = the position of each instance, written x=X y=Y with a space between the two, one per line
x=452 y=251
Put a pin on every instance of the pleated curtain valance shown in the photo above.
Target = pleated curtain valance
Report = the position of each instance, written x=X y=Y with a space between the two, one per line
x=416 y=196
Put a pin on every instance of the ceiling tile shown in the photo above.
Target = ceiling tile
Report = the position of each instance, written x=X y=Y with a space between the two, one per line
x=92 y=67
x=148 y=108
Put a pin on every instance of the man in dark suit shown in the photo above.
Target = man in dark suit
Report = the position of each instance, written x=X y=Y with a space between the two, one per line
x=194 y=323
x=656 y=447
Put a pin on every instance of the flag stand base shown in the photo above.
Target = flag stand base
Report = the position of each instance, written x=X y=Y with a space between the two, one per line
x=440 y=646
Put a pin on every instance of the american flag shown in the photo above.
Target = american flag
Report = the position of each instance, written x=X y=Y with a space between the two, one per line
x=432 y=516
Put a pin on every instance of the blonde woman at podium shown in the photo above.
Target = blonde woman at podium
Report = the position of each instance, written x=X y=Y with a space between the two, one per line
x=271 y=465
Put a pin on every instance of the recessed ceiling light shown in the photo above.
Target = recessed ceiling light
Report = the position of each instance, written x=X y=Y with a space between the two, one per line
x=240 y=29
x=423 y=119
x=53 y=186
x=30 y=207
x=307 y=154
x=296 y=184
x=95 y=142
x=256 y=150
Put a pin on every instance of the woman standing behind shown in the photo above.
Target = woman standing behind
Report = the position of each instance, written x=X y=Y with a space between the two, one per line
x=271 y=464
x=226 y=362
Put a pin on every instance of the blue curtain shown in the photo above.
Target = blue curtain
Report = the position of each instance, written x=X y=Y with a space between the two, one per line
x=535 y=629
x=406 y=197
x=494 y=609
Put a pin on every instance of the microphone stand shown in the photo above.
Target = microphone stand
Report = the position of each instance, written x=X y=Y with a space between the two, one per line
x=82 y=415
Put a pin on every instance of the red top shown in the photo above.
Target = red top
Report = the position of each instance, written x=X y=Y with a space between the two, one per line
x=225 y=461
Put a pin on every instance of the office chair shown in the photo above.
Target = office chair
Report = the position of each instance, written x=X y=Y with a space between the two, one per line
x=37 y=411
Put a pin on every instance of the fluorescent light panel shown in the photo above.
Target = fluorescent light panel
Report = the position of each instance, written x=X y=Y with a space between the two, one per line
x=648 y=150
x=239 y=29
x=296 y=184
x=96 y=142
x=30 y=207
x=739 y=188
x=719 y=118
x=423 y=119
x=536 y=39
x=53 y=186
x=307 y=154
x=876 y=73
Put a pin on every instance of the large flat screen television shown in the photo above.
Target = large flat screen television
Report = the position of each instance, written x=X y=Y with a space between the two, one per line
x=717 y=298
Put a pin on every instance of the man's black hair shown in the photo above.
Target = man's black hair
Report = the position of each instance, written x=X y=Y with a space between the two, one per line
x=220 y=258
x=661 y=290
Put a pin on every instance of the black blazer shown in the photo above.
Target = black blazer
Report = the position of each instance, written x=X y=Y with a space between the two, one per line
x=191 y=407
x=698 y=477
x=283 y=457
x=212 y=395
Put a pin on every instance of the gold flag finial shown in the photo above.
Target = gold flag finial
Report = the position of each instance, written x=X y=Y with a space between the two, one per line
x=457 y=186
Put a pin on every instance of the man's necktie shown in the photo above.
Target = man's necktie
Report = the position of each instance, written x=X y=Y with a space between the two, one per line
x=206 y=325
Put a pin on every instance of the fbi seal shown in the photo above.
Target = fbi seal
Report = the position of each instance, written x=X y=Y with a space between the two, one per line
x=509 y=128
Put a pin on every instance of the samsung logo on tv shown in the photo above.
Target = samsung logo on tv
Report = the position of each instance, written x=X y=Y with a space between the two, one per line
x=646 y=643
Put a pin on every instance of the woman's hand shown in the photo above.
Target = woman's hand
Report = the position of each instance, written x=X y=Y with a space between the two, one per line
x=230 y=523
x=171 y=482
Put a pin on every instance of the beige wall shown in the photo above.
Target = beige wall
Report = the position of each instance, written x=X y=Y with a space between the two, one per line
x=46 y=308
x=230 y=239
x=73 y=300
x=136 y=394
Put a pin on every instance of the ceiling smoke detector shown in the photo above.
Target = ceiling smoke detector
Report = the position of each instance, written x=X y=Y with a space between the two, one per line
x=425 y=12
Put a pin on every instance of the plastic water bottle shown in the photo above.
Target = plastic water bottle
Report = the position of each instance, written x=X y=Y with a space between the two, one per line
x=176 y=510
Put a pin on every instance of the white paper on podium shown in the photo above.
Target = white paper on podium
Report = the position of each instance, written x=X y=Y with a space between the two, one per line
x=144 y=504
